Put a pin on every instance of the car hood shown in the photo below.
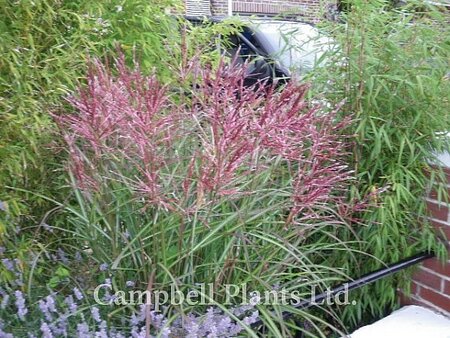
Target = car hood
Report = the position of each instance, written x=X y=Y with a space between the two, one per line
x=298 y=47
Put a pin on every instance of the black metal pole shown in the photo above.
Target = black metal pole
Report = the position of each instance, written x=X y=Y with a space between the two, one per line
x=357 y=283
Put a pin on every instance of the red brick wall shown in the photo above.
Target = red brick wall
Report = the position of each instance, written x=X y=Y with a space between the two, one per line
x=430 y=285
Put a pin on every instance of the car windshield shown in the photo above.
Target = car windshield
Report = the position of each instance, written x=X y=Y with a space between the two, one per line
x=298 y=47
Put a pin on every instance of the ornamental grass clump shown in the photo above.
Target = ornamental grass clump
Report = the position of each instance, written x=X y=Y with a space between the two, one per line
x=208 y=143
x=214 y=184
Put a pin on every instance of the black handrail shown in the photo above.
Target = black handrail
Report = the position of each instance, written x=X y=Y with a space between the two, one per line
x=357 y=283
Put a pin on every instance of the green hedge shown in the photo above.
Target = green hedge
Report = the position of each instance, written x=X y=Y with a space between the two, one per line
x=44 y=46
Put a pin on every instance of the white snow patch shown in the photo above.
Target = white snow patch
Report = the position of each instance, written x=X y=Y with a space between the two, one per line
x=409 y=322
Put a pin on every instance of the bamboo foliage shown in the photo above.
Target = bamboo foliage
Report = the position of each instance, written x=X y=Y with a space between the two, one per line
x=44 y=46
x=391 y=68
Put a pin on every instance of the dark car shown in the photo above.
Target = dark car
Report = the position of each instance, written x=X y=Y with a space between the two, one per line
x=277 y=50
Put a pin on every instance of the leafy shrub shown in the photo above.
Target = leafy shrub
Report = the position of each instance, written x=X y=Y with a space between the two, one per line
x=391 y=69
x=44 y=46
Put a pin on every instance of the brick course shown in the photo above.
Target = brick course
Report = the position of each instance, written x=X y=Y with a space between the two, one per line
x=430 y=284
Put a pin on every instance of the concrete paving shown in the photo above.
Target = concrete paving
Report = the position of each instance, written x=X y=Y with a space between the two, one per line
x=408 y=322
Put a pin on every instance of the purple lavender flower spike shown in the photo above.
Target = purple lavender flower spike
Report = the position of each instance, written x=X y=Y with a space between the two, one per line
x=83 y=330
x=9 y=264
x=71 y=304
x=134 y=331
x=102 y=333
x=62 y=325
x=157 y=319
x=3 y=334
x=96 y=314
x=224 y=324
x=192 y=327
x=77 y=293
x=253 y=318
x=134 y=321
x=165 y=332
x=44 y=309
x=46 y=330
x=20 y=304
x=50 y=303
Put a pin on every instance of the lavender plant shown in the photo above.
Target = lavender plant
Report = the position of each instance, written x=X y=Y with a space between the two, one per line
x=69 y=313
x=56 y=318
